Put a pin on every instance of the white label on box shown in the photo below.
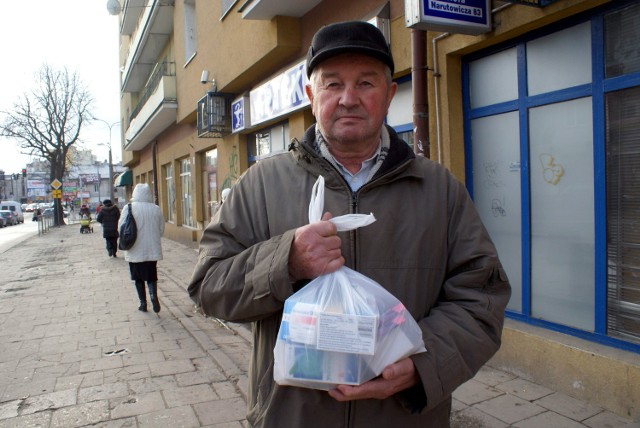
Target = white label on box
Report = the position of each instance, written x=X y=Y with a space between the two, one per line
x=302 y=323
x=352 y=334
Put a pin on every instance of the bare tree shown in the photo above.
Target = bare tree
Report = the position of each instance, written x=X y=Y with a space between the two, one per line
x=47 y=122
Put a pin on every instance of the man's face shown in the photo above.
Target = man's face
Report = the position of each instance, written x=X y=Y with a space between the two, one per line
x=350 y=96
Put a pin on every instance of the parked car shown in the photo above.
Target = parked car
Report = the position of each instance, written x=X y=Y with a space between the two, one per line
x=13 y=206
x=3 y=222
x=9 y=218
x=48 y=212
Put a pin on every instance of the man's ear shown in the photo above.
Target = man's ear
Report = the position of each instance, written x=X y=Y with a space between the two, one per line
x=307 y=90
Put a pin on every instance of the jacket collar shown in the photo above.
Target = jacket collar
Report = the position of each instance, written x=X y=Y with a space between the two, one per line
x=400 y=157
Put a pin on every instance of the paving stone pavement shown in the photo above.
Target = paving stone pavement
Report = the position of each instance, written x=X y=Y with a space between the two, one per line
x=75 y=351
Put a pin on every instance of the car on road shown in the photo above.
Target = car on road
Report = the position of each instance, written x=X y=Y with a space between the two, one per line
x=13 y=206
x=9 y=218
x=3 y=222
x=48 y=212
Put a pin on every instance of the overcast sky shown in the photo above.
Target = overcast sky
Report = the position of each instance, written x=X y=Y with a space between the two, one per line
x=77 y=34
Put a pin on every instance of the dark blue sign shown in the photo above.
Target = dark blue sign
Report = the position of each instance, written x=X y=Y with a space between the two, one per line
x=454 y=16
x=474 y=11
x=237 y=115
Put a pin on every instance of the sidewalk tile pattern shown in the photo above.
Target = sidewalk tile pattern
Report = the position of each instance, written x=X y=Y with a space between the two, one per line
x=75 y=351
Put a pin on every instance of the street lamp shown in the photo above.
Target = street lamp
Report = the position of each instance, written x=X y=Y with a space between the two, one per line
x=111 y=195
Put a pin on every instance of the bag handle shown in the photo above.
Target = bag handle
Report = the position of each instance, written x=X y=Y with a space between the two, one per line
x=343 y=222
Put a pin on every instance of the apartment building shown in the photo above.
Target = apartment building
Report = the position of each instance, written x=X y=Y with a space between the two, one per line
x=538 y=114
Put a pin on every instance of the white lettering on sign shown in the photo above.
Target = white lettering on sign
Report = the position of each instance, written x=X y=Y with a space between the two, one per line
x=280 y=95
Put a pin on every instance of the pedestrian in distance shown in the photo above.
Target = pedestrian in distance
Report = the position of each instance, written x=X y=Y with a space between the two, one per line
x=85 y=211
x=145 y=253
x=428 y=248
x=36 y=214
x=108 y=217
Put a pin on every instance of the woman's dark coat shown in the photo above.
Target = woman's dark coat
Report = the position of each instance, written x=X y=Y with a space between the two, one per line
x=108 y=217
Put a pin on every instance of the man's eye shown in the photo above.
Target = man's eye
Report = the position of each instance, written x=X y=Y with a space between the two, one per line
x=332 y=85
x=365 y=84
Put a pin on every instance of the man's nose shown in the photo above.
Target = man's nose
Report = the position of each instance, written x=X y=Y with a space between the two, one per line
x=349 y=96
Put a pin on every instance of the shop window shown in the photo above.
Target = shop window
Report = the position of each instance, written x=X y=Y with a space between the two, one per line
x=552 y=166
x=170 y=192
x=560 y=60
x=496 y=185
x=211 y=198
x=186 y=193
x=485 y=88
x=559 y=236
x=267 y=142
x=562 y=213
x=623 y=204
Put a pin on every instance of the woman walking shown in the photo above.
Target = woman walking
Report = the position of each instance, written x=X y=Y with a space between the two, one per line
x=108 y=217
x=147 y=250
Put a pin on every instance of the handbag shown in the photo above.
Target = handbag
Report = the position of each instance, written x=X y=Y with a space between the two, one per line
x=128 y=231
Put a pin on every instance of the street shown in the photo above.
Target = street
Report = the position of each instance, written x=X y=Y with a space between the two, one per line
x=13 y=235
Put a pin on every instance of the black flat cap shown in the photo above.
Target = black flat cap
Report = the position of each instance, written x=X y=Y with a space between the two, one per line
x=351 y=36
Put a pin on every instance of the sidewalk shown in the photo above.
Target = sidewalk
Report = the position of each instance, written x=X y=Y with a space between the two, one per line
x=75 y=351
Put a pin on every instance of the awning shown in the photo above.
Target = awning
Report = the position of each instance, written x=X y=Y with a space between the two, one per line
x=124 y=179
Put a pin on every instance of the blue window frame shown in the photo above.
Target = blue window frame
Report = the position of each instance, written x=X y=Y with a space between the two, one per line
x=522 y=104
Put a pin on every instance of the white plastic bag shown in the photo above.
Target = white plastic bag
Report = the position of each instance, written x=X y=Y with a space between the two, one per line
x=342 y=327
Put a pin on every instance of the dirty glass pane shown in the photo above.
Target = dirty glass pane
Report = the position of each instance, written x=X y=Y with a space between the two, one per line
x=494 y=79
x=562 y=213
x=496 y=191
x=560 y=60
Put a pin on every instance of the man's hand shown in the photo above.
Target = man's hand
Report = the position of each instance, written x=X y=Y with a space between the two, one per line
x=395 y=378
x=315 y=250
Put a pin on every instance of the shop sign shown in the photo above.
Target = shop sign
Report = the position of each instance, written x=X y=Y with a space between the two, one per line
x=240 y=116
x=35 y=184
x=69 y=187
x=89 y=178
x=280 y=95
x=454 y=16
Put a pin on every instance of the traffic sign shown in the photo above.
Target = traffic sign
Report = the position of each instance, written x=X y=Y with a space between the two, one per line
x=56 y=183
x=56 y=194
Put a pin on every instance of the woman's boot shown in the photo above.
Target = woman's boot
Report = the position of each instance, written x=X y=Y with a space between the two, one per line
x=142 y=295
x=153 y=295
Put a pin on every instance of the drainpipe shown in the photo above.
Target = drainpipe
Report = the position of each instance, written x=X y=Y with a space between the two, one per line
x=419 y=88
x=436 y=91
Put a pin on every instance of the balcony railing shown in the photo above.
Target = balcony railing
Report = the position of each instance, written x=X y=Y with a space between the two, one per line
x=161 y=69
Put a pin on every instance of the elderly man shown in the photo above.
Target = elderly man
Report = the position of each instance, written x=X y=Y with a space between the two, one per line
x=428 y=248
